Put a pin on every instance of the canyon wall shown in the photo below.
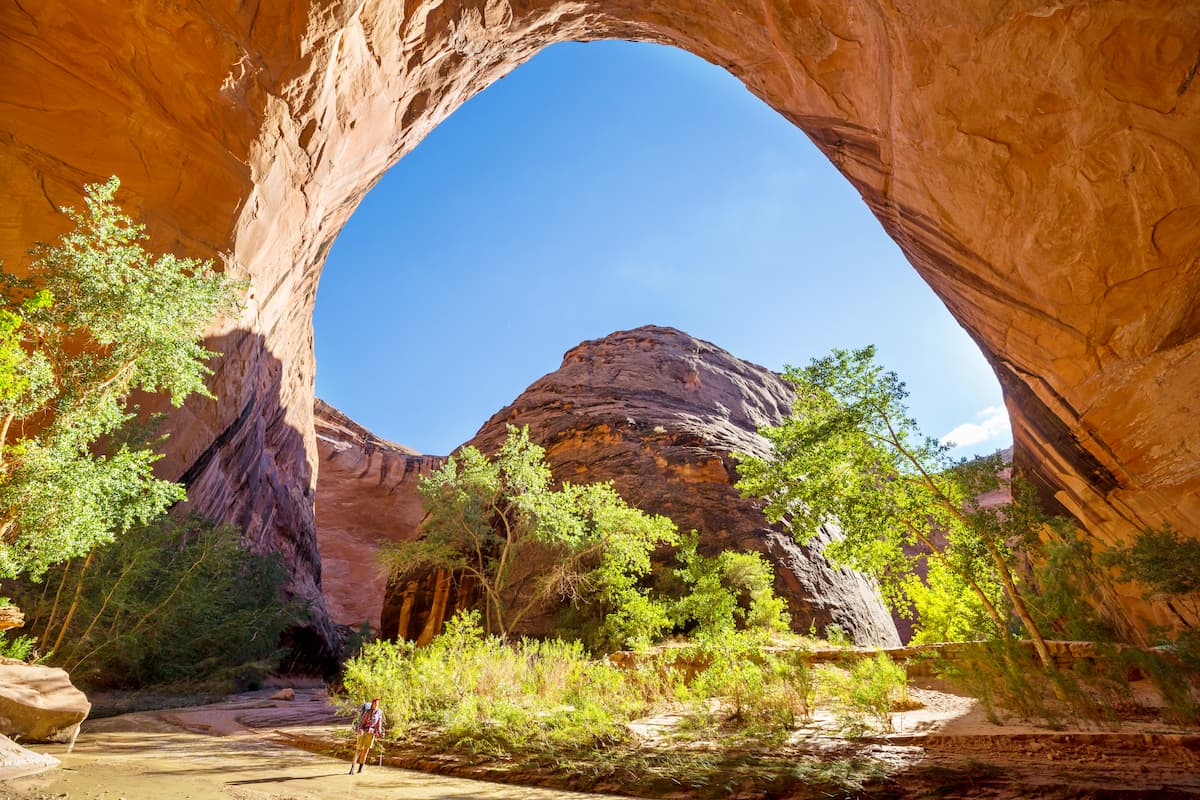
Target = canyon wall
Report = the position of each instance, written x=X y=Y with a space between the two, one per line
x=366 y=499
x=1035 y=161
x=659 y=414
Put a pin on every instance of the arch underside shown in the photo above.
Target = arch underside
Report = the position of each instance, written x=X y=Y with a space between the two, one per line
x=1036 y=163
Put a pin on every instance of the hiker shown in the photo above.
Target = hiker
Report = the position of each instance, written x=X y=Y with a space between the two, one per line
x=368 y=725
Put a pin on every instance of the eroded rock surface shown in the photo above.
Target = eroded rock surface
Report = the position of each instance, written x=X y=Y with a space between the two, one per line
x=39 y=703
x=1035 y=161
x=366 y=499
x=658 y=413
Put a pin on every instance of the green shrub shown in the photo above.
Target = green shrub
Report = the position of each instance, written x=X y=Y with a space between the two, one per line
x=731 y=591
x=173 y=602
x=488 y=696
x=740 y=687
x=1167 y=563
x=17 y=645
x=864 y=693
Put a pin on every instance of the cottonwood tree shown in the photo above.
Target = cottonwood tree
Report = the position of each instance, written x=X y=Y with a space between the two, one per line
x=177 y=599
x=493 y=519
x=95 y=317
x=850 y=455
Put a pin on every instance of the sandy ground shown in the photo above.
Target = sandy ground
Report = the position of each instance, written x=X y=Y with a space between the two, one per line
x=240 y=749
x=229 y=750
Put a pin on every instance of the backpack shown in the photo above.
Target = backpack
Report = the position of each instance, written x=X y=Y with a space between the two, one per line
x=362 y=711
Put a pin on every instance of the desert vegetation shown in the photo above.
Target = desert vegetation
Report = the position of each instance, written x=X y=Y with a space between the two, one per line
x=1004 y=578
x=850 y=456
x=550 y=704
x=113 y=590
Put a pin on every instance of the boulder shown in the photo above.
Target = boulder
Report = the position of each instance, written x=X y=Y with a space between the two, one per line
x=16 y=760
x=11 y=617
x=39 y=703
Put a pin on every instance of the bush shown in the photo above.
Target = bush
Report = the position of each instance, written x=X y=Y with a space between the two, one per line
x=1168 y=565
x=18 y=646
x=176 y=601
x=760 y=694
x=865 y=693
x=484 y=695
x=731 y=591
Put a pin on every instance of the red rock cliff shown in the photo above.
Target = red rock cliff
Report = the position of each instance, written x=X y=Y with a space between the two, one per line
x=366 y=499
x=658 y=413
x=1035 y=161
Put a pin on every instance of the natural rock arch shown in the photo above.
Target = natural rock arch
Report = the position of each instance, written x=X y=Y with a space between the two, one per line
x=1035 y=161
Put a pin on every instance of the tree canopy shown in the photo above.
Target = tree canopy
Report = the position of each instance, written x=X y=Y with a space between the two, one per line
x=850 y=455
x=95 y=317
x=494 y=519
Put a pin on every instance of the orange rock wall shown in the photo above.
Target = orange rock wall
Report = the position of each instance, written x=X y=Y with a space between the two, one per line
x=1036 y=161
x=366 y=499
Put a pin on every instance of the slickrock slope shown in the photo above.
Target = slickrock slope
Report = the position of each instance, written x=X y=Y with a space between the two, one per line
x=366 y=498
x=658 y=413
x=1035 y=161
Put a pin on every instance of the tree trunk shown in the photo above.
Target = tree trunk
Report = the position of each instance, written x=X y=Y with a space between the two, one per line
x=75 y=600
x=54 y=606
x=1010 y=586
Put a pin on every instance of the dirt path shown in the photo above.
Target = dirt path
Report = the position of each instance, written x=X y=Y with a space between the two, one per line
x=228 y=750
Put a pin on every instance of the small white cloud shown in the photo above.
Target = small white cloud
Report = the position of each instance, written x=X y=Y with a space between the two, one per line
x=992 y=424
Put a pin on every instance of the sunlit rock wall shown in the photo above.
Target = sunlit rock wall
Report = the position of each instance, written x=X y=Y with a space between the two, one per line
x=366 y=500
x=1035 y=161
x=659 y=413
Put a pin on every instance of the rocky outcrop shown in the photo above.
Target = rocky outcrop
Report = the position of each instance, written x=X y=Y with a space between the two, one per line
x=39 y=703
x=659 y=414
x=1035 y=162
x=366 y=499
x=16 y=760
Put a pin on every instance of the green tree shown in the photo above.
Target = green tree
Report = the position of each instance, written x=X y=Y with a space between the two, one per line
x=948 y=610
x=851 y=456
x=1167 y=564
x=171 y=601
x=95 y=318
x=731 y=591
x=496 y=520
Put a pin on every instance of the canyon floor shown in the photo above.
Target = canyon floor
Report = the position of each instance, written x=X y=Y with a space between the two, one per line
x=245 y=748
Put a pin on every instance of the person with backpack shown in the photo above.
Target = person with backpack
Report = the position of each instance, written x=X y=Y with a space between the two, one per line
x=368 y=725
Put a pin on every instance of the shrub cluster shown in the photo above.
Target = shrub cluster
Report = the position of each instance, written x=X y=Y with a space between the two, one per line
x=476 y=692
x=172 y=602
x=485 y=695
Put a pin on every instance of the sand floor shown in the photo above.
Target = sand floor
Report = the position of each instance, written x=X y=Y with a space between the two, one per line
x=228 y=751
x=242 y=749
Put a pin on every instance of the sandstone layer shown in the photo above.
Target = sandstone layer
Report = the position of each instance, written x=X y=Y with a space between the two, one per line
x=659 y=414
x=366 y=499
x=1035 y=161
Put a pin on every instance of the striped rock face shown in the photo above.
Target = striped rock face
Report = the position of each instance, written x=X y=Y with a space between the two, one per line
x=654 y=411
x=1035 y=161
x=659 y=414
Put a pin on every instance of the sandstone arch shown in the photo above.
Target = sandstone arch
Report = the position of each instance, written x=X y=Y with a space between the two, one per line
x=1036 y=161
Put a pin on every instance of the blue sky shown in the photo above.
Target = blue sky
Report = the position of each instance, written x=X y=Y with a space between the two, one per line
x=601 y=187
